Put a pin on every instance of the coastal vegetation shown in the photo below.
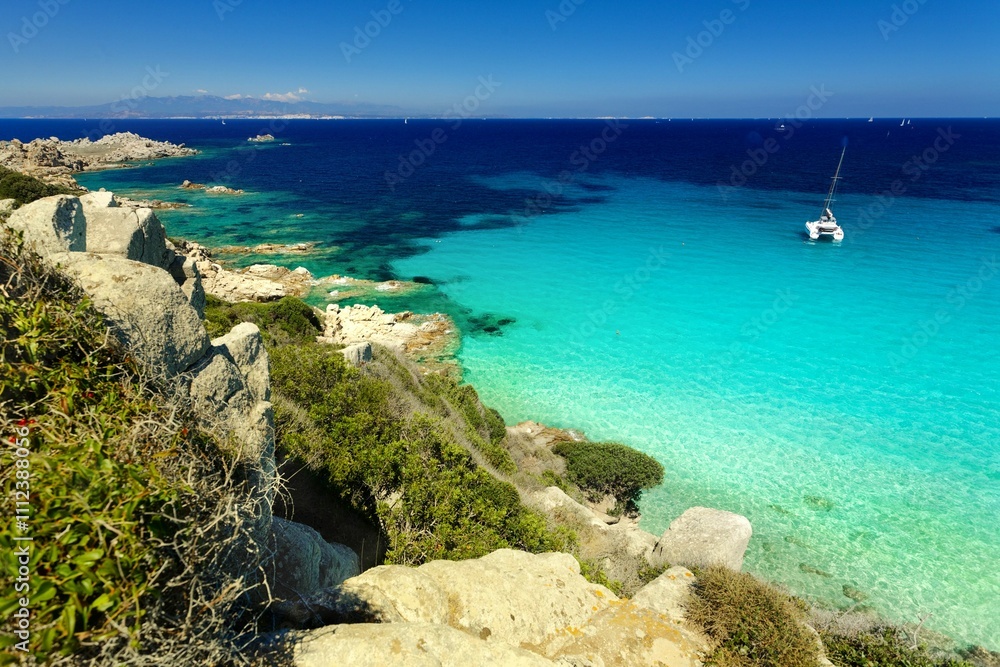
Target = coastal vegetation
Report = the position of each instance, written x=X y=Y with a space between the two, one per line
x=418 y=455
x=601 y=468
x=131 y=508
x=24 y=189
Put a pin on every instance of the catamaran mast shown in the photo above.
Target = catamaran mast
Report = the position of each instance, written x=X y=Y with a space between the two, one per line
x=833 y=185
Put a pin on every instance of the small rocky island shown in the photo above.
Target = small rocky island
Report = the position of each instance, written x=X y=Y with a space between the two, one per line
x=261 y=139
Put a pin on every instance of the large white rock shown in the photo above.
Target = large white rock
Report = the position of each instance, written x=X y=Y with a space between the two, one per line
x=185 y=271
x=52 y=225
x=304 y=562
x=507 y=596
x=406 y=645
x=134 y=233
x=145 y=305
x=99 y=199
x=701 y=537
x=626 y=635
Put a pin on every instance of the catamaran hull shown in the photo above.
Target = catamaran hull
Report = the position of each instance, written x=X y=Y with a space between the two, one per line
x=816 y=231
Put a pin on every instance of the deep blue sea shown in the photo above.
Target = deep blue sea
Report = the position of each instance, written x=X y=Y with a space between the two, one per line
x=650 y=281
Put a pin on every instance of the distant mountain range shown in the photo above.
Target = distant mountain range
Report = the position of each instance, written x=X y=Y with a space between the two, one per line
x=206 y=106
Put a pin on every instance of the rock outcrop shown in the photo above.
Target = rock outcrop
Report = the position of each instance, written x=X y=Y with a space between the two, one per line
x=405 y=332
x=260 y=282
x=149 y=293
x=505 y=600
x=54 y=161
x=146 y=305
x=261 y=138
x=358 y=354
x=53 y=225
x=407 y=645
x=701 y=537
x=305 y=563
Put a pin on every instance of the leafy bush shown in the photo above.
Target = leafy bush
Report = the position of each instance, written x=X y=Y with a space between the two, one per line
x=486 y=428
x=880 y=647
x=396 y=464
x=750 y=623
x=121 y=489
x=25 y=189
x=601 y=468
x=288 y=320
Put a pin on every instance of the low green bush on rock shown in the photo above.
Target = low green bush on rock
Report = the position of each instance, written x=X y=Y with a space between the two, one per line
x=601 y=468
x=25 y=189
x=880 y=647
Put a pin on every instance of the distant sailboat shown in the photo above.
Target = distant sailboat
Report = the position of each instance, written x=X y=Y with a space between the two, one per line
x=872 y=119
x=827 y=223
x=902 y=122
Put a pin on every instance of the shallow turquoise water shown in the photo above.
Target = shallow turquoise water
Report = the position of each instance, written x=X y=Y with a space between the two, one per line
x=788 y=381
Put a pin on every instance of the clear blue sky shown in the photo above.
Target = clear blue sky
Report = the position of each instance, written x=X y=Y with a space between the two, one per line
x=605 y=58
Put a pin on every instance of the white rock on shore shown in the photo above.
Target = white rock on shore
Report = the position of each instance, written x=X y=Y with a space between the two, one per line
x=701 y=537
x=404 y=332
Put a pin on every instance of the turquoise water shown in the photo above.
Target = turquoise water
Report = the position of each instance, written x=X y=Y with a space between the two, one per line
x=845 y=398
x=784 y=380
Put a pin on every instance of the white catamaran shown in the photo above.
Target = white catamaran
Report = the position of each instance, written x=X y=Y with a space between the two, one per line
x=827 y=223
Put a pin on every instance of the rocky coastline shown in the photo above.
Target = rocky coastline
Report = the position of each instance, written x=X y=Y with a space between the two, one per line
x=55 y=161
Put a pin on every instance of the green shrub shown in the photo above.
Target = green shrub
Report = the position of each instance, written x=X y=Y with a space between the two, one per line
x=601 y=468
x=592 y=572
x=25 y=189
x=288 y=320
x=750 y=623
x=358 y=430
x=880 y=647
